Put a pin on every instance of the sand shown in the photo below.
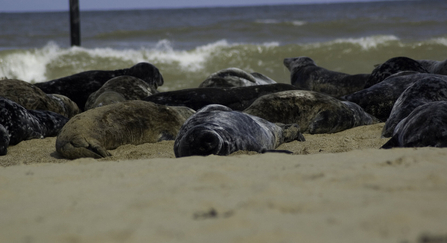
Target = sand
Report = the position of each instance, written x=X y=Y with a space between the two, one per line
x=334 y=188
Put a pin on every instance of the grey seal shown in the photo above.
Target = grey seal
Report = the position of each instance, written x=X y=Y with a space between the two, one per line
x=217 y=129
x=119 y=89
x=235 y=77
x=314 y=112
x=392 y=66
x=423 y=91
x=237 y=98
x=93 y=132
x=18 y=124
x=78 y=87
x=378 y=100
x=425 y=126
x=305 y=74
x=433 y=66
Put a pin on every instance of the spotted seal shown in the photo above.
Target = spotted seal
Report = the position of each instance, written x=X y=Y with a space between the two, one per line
x=217 y=129
x=18 y=124
x=425 y=126
x=423 y=91
x=93 y=132
x=235 y=77
x=119 y=89
x=314 y=112
x=78 y=87
x=305 y=74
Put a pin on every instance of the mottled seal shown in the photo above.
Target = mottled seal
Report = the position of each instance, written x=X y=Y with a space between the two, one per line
x=378 y=100
x=119 y=89
x=78 y=87
x=93 y=132
x=216 y=129
x=392 y=66
x=235 y=77
x=305 y=74
x=421 y=92
x=314 y=112
x=32 y=98
x=425 y=126
x=237 y=98
x=18 y=124
x=436 y=67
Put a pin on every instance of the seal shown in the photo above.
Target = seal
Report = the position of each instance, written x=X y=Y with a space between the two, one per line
x=32 y=98
x=392 y=66
x=423 y=91
x=237 y=98
x=93 y=132
x=78 y=87
x=436 y=67
x=18 y=124
x=119 y=89
x=235 y=77
x=314 y=112
x=378 y=100
x=425 y=126
x=217 y=129
x=305 y=74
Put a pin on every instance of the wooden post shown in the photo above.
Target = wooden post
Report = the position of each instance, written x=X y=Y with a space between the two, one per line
x=75 y=30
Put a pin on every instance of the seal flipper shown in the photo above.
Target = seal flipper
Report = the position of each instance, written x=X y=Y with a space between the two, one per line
x=78 y=148
x=277 y=151
x=291 y=132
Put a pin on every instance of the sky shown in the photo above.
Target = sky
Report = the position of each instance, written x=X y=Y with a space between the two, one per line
x=63 y=5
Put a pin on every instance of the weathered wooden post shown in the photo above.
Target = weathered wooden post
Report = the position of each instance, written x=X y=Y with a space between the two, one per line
x=75 y=30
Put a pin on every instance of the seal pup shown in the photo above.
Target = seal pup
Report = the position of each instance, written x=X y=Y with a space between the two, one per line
x=378 y=100
x=305 y=74
x=235 y=77
x=392 y=66
x=78 y=87
x=425 y=126
x=436 y=67
x=217 y=129
x=237 y=98
x=421 y=92
x=93 y=132
x=314 y=112
x=119 y=89
x=32 y=98
x=18 y=124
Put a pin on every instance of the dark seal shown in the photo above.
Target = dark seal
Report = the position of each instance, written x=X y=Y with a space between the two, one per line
x=305 y=74
x=436 y=67
x=235 y=77
x=218 y=130
x=78 y=87
x=425 y=126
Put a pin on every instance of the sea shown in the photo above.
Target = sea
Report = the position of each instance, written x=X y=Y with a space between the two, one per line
x=189 y=44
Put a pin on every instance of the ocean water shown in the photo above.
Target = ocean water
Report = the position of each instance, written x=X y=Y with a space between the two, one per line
x=187 y=45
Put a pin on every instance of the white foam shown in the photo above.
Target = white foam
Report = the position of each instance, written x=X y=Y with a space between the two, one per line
x=369 y=42
x=439 y=41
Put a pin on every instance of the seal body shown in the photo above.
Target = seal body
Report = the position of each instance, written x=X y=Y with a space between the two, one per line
x=436 y=67
x=425 y=126
x=119 y=89
x=18 y=124
x=305 y=74
x=218 y=130
x=78 y=87
x=238 y=98
x=93 y=132
x=235 y=77
x=314 y=112
x=425 y=90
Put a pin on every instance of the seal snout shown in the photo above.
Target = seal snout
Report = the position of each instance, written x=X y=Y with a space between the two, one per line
x=200 y=142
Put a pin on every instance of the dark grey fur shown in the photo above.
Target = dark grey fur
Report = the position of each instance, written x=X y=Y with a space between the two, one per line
x=425 y=126
x=218 y=130
x=305 y=74
x=235 y=77
x=436 y=67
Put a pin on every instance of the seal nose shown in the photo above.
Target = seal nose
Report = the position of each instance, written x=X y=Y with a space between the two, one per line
x=201 y=142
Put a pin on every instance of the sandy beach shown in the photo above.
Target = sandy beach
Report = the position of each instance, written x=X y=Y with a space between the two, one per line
x=334 y=188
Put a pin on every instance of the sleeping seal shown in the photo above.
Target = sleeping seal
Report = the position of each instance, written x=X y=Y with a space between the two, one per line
x=235 y=77
x=314 y=112
x=216 y=129
x=93 y=132
x=18 y=124
x=305 y=74
x=78 y=87
x=425 y=126
x=421 y=92
x=119 y=89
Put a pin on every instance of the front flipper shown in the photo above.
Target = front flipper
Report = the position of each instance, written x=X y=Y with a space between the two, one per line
x=80 y=148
